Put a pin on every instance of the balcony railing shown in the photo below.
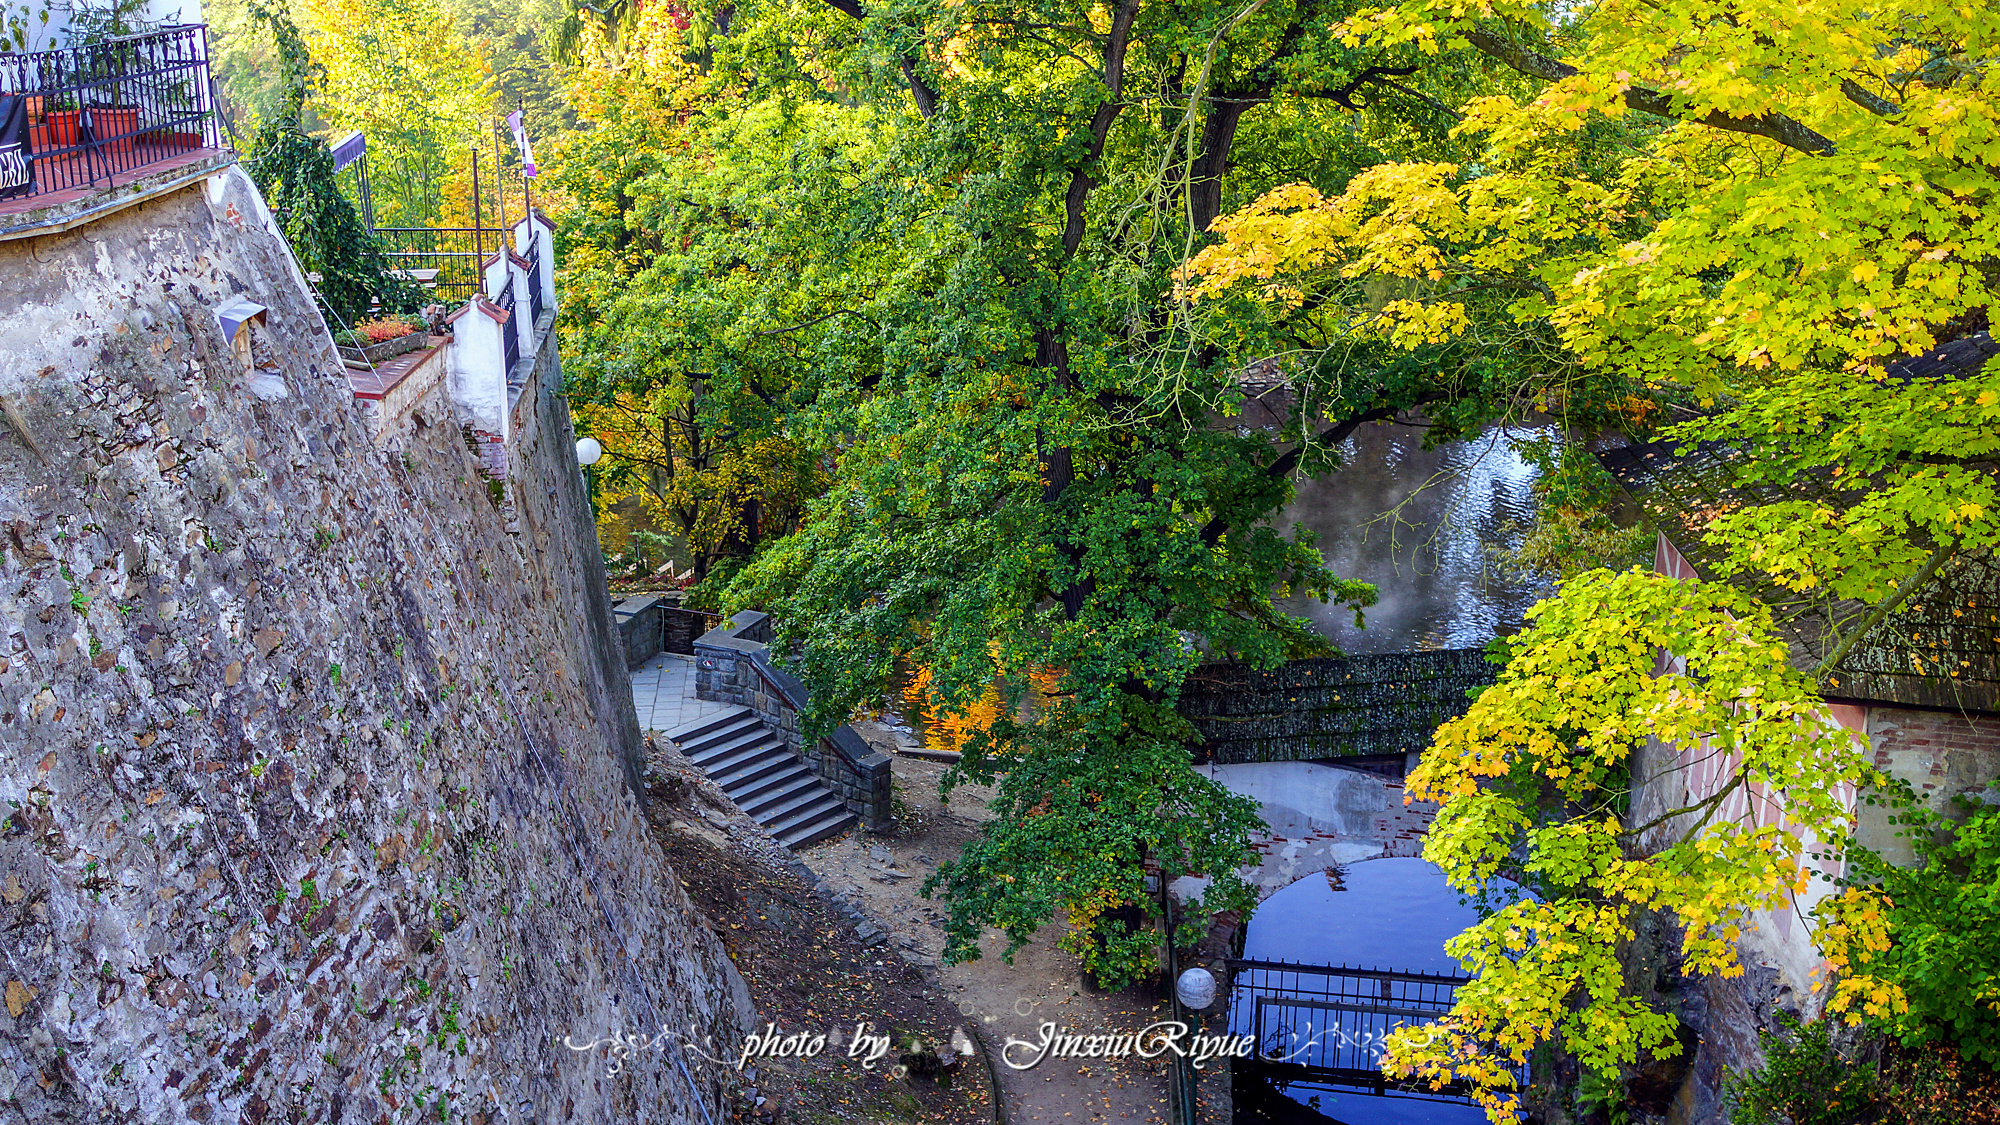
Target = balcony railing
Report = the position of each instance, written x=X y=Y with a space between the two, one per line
x=446 y=260
x=510 y=333
x=103 y=114
x=535 y=277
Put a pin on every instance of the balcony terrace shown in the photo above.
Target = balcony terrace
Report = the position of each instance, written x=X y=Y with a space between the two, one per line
x=104 y=126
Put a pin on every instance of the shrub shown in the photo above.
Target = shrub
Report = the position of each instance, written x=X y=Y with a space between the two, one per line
x=1919 y=946
x=1804 y=1081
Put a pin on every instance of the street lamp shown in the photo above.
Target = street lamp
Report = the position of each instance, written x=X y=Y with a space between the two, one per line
x=588 y=450
x=1195 y=989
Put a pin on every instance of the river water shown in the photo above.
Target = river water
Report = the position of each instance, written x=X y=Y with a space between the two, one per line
x=1428 y=528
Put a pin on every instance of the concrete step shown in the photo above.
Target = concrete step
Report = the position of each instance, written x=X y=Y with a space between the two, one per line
x=707 y=744
x=752 y=795
x=811 y=829
x=781 y=800
x=740 y=751
x=703 y=725
x=760 y=773
x=741 y=781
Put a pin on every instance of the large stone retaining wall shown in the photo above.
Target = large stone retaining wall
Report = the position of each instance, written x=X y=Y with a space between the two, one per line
x=318 y=784
x=733 y=665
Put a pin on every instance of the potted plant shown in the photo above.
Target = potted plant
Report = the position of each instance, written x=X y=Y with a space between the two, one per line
x=95 y=28
x=59 y=123
x=373 y=341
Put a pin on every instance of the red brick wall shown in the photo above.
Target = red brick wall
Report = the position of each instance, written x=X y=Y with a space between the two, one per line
x=1940 y=752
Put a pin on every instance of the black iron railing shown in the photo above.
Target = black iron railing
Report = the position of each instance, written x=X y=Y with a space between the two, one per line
x=96 y=113
x=1329 y=1024
x=510 y=332
x=445 y=260
x=535 y=273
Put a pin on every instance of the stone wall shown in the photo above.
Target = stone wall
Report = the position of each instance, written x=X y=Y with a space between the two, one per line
x=1942 y=754
x=654 y=623
x=733 y=665
x=641 y=627
x=319 y=784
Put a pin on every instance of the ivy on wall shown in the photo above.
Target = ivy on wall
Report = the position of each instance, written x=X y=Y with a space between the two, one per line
x=295 y=172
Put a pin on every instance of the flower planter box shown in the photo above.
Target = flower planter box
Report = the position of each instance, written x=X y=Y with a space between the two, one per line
x=168 y=138
x=387 y=349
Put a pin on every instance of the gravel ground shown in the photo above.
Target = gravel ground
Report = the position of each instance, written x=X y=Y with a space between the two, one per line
x=882 y=874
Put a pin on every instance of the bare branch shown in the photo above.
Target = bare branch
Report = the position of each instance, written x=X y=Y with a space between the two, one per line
x=1910 y=586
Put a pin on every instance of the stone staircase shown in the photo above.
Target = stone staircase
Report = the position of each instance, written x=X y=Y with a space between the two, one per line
x=761 y=774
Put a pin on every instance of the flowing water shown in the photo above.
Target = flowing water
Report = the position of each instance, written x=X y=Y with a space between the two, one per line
x=1428 y=529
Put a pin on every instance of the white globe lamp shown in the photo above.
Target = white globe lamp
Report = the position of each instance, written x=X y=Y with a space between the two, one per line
x=588 y=451
x=1196 y=989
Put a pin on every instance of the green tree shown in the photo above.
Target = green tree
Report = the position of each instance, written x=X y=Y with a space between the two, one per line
x=1798 y=199
x=295 y=173
x=670 y=288
x=404 y=73
x=1919 y=945
x=962 y=221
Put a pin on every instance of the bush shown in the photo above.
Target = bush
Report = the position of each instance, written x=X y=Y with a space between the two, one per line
x=1804 y=1081
x=1920 y=945
x=1933 y=1085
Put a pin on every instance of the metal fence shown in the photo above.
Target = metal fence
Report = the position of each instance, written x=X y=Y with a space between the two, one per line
x=1329 y=1024
x=1330 y=707
x=102 y=110
x=444 y=260
x=535 y=274
x=510 y=332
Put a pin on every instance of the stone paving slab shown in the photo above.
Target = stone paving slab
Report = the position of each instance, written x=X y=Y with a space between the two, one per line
x=663 y=694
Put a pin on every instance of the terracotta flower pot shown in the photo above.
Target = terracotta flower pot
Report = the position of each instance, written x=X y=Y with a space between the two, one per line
x=115 y=127
x=62 y=124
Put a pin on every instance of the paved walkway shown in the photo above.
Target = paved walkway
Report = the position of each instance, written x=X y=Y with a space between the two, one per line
x=663 y=694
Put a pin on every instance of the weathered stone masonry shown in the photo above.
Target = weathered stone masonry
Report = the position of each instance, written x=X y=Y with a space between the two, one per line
x=317 y=782
x=733 y=665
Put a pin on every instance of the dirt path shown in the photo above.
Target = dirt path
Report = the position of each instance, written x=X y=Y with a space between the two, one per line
x=882 y=874
x=810 y=970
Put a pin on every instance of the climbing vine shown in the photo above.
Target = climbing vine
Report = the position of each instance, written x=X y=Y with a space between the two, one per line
x=295 y=173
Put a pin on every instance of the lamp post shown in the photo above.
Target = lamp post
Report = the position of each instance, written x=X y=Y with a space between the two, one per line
x=1196 y=990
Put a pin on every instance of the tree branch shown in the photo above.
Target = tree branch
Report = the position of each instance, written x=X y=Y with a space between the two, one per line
x=1910 y=586
x=816 y=320
x=926 y=98
x=1214 y=529
x=1771 y=126
x=1080 y=182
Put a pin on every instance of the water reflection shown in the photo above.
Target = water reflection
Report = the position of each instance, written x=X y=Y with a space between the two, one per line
x=1394 y=914
x=1422 y=526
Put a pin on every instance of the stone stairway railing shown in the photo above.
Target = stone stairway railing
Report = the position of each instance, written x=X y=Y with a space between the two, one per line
x=733 y=665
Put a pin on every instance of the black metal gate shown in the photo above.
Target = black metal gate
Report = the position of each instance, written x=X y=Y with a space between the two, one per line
x=1328 y=1025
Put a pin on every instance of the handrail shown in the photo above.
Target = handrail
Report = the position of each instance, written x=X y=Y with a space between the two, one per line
x=100 y=110
x=1237 y=964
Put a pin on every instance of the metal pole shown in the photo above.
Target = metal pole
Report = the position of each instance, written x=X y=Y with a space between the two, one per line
x=499 y=189
x=478 y=244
